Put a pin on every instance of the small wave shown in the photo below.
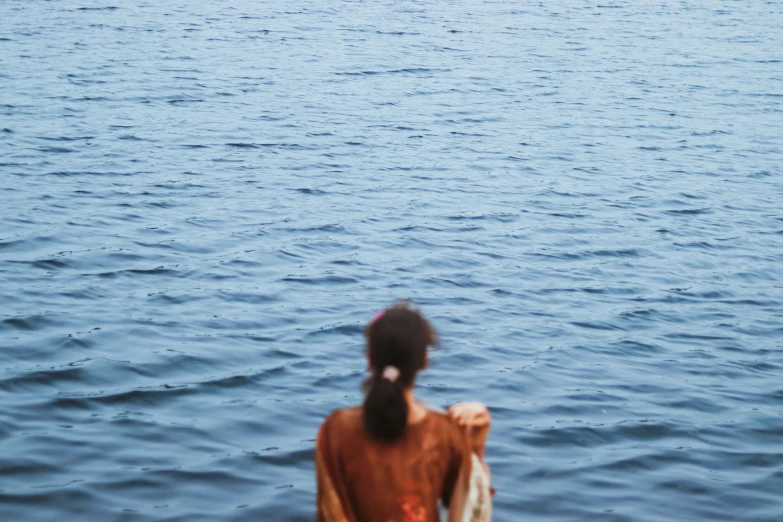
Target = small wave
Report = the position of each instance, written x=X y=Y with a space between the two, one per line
x=348 y=330
x=68 y=138
x=133 y=398
x=311 y=191
x=595 y=325
x=240 y=145
x=30 y=322
x=690 y=211
x=413 y=70
x=56 y=150
x=140 y=272
x=326 y=280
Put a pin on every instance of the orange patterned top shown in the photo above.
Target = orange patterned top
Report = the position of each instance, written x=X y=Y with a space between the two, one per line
x=362 y=480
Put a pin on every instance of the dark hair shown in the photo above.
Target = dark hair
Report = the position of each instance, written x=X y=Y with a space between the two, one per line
x=398 y=337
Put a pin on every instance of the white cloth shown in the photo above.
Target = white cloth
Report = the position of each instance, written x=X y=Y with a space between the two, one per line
x=479 y=504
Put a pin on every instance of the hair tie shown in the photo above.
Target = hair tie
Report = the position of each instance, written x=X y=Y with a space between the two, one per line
x=378 y=316
x=390 y=373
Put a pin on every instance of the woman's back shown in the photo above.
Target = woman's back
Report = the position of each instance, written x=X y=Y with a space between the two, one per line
x=373 y=481
x=391 y=459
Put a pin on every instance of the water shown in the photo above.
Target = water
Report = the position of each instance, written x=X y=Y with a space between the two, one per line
x=204 y=202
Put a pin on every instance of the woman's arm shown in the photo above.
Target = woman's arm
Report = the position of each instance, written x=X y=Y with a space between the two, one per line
x=477 y=504
x=474 y=416
x=329 y=504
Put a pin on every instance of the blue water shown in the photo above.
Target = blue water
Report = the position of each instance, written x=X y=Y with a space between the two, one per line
x=203 y=202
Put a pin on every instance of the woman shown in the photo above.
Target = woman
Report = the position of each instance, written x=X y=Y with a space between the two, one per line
x=392 y=459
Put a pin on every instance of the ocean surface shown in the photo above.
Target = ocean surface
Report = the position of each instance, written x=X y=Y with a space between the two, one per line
x=202 y=203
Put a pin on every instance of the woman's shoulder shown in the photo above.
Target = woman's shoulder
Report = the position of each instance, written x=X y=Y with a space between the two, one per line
x=342 y=418
x=438 y=414
x=441 y=414
x=442 y=421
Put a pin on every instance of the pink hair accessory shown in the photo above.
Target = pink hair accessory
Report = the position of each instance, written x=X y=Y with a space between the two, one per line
x=390 y=373
x=377 y=316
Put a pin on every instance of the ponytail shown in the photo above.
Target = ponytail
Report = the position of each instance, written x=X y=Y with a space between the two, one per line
x=397 y=341
x=385 y=412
